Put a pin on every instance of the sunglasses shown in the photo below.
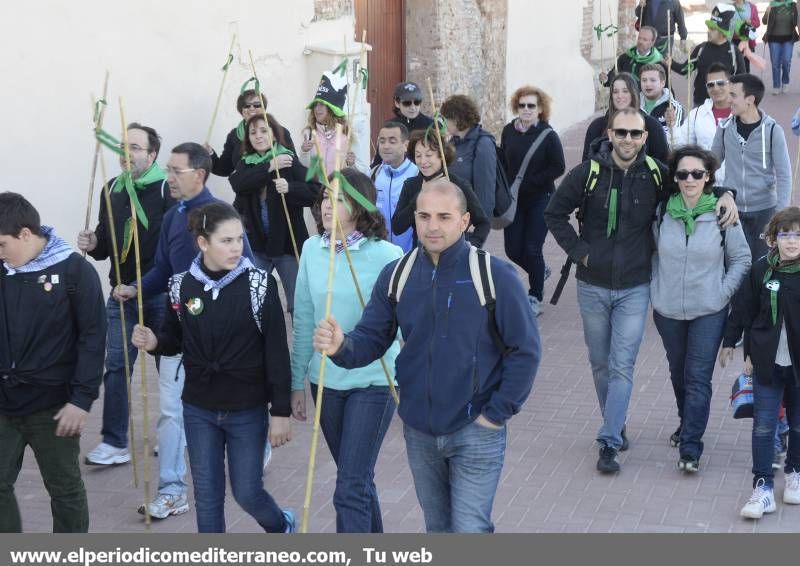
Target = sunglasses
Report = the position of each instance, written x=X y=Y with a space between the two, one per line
x=622 y=133
x=252 y=105
x=720 y=82
x=696 y=174
x=529 y=105
x=408 y=103
x=788 y=235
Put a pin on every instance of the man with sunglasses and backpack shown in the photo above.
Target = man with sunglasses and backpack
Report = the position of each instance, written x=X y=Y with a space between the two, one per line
x=616 y=194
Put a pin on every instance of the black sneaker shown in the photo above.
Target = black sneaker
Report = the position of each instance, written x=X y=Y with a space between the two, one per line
x=675 y=438
x=607 y=463
x=625 y=443
x=689 y=464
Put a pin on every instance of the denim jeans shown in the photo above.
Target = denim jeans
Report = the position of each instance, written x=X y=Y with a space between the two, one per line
x=524 y=240
x=456 y=476
x=57 y=457
x=766 y=402
x=780 y=55
x=115 y=389
x=753 y=224
x=286 y=266
x=613 y=326
x=354 y=422
x=692 y=347
x=171 y=436
x=242 y=434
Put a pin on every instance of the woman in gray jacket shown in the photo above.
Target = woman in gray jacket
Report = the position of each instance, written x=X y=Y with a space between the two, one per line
x=697 y=268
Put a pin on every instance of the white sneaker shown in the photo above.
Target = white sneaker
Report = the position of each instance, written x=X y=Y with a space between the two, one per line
x=785 y=89
x=791 y=492
x=165 y=505
x=775 y=91
x=536 y=305
x=762 y=501
x=107 y=455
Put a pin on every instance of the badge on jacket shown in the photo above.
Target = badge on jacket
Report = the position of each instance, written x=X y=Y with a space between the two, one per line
x=773 y=285
x=194 y=306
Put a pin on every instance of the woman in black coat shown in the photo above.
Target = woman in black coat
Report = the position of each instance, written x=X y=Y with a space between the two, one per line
x=258 y=200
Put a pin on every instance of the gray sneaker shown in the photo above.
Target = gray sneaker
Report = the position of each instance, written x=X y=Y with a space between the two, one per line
x=107 y=455
x=536 y=305
x=165 y=505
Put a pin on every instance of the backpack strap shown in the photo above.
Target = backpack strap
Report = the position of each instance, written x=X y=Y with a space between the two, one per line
x=400 y=275
x=655 y=170
x=480 y=269
x=72 y=274
x=374 y=172
x=591 y=179
x=259 y=284
x=174 y=291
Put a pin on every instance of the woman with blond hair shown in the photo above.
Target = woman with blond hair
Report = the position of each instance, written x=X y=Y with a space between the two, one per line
x=534 y=159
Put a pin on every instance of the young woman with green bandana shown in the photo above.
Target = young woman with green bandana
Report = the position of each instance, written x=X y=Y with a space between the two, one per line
x=697 y=269
x=767 y=310
x=258 y=199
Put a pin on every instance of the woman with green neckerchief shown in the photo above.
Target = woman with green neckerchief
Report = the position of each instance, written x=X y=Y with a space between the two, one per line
x=258 y=199
x=697 y=269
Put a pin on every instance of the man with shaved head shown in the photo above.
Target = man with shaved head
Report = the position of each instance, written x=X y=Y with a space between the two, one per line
x=466 y=368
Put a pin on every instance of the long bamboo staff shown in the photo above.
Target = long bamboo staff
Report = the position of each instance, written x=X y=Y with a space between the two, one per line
x=616 y=49
x=362 y=64
x=123 y=324
x=271 y=141
x=328 y=301
x=98 y=123
x=438 y=133
x=600 y=37
x=140 y=307
x=669 y=77
x=361 y=300
x=221 y=87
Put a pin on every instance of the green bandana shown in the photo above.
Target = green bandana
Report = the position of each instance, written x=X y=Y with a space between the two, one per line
x=676 y=208
x=153 y=174
x=774 y=263
x=256 y=159
x=780 y=3
x=240 y=130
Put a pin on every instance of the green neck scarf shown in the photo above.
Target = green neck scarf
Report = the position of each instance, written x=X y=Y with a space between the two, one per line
x=676 y=208
x=256 y=159
x=774 y=264
x=240 y=130
x=653 y=57
x=153 y=174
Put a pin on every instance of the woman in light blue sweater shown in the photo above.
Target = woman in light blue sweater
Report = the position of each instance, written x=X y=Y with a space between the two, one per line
x=697 y=268
x=357 y=406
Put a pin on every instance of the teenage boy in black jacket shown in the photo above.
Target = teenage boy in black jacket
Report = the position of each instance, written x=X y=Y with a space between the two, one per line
x=617 y=193
x=52 y=339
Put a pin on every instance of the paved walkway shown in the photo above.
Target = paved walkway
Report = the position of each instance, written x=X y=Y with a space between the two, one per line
x=549 y=481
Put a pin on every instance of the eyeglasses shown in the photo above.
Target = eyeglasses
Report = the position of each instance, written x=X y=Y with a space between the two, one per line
x=174 y=171
x=696 y=174
x=133 y=147
x=408 y=103
x=720 y=82
x=788 y=235
x=251 y=105
x=530 y=105
x=622 y=133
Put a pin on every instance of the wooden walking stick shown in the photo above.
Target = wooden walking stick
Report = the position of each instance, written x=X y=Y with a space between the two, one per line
x=328 y=301
x=98 y=123
x=669 y=79
x=271 y=141
x=360 y=82
x=615 y=29
x=361 y=300
x=225 y=68
x=140 y=307
x=436 y=120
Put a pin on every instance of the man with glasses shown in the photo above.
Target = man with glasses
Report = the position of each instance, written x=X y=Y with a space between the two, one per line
x=407 y=106
x=616 y=194
x=187 y=172
x=150 y=186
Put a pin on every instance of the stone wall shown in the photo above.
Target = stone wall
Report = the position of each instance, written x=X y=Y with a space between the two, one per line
x=332 y=9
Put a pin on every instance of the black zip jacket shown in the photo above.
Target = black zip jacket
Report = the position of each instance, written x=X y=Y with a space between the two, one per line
x=230 y=364
x=751 y=313
x=248 y=181
x=545 y=166
x=660 y=20
x=403 y=217
x=156 y=201
x=50 y=352
x=656 y=145
x=707 y=54
x=223 y=165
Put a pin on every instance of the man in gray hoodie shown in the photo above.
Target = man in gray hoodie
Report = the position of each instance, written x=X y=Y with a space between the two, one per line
x=757 y=165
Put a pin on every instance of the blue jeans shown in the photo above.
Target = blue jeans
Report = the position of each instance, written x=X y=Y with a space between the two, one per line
x=780 y=55
x=242 y=434
x=456 y=476
x=766 y=402
x=286 y=266
x=171 y=435
x=524 y=240
x=354 y=423
x=692 y=347
x=613 y=326
x=115 y=389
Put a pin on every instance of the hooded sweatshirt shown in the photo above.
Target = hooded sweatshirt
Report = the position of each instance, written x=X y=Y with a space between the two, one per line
x=758 y=167
x=659 y=110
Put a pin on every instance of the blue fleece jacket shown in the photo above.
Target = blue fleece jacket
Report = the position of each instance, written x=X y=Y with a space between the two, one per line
x=389 y=184
x=449 y=370
x=176 y=245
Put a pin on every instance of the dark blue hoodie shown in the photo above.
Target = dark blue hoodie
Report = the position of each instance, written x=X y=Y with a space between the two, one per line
x=449 y=370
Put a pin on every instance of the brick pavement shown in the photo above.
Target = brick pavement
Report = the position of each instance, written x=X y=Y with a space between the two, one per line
x=549 y=483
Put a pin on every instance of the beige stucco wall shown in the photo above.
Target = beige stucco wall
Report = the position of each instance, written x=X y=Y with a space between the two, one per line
x=164 y=59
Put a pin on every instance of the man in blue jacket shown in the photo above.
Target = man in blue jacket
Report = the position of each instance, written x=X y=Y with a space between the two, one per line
x=458 y=390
